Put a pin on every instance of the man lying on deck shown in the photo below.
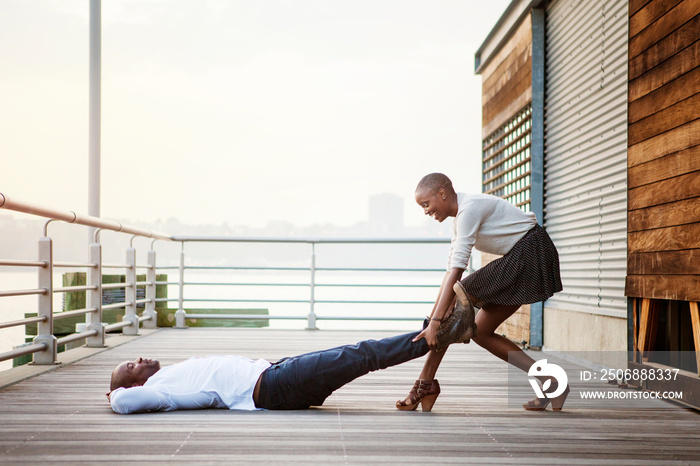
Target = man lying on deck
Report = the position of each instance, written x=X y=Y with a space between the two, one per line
x=235 y=382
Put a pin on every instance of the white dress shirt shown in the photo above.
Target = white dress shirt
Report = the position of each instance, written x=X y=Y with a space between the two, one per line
x=210 y=382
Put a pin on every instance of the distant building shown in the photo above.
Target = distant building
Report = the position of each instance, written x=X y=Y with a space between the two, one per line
x=591 y=119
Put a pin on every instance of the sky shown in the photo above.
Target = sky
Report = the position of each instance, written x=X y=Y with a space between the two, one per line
x=242 y=112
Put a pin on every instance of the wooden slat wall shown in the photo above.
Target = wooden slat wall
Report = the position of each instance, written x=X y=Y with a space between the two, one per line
x=664 y=150
x=507 y=80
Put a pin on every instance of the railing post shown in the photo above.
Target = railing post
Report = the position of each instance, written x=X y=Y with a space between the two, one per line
x=180 y=313
x=45 y=328
x=93 y=320
x=150 y=310
x=130 y=294
x=311 y=318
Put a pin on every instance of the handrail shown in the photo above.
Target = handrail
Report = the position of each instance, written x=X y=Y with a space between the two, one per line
x=17 y=323
x=16 y=263
x=71 y=217
x=23 y=292
x=305 y=240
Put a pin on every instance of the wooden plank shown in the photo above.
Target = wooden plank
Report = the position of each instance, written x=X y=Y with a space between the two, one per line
x=635 y=328
x=643 y=325
x=664 y=49
x=695 y=319
x=672 y=117
x=675 y=140
x=649 y=13
x=522 y=35
x=674 y=287
x=676 y=66
x=665 y=239
x=648 y=322
x=671 y=166
x=507 y=113
x=669 y=190
x=665 y=215
x=679 y=89
x=685 y=262
x=515 y=86
x=636 y=5
x=671 y=21
x=520 y=56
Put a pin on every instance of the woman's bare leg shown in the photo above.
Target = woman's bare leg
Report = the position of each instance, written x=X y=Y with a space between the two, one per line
x=487 y=321
x=432 y=362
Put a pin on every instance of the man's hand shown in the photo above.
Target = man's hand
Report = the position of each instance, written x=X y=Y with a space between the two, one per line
x=430 y=335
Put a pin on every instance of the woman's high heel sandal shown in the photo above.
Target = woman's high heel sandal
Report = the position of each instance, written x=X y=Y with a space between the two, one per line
x=424 y=393
x=540 y=404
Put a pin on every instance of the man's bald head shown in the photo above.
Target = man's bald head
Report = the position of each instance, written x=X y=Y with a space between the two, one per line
x=431 y=184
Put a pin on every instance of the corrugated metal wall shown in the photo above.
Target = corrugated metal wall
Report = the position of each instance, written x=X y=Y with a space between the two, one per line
x=585 y=208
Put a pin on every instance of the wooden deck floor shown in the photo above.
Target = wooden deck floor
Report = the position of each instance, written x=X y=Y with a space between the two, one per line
x=63 y=416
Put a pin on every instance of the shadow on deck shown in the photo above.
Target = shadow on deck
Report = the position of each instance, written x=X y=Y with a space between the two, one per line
x=63 y=416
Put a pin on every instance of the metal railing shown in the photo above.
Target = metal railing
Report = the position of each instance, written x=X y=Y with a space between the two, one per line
x=44 y=345
x=311 y=317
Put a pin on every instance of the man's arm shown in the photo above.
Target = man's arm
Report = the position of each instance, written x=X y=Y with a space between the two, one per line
x=443 y=303
x=137 y=399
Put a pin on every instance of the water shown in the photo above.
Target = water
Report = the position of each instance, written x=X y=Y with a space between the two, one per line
x=14 y=308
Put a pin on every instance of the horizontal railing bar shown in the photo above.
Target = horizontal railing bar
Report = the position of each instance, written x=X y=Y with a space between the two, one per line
x=118 y=325
x=307 y=269
x=69 y=289
x=263 y=239
x=212 y=300
x=29 y=320
x=350 y=285
x=166 y=300
x=167 y=283
x=144 y=318
x=114 y=306
x=76 y=336
x=71 y=217
x=405 y=319
x=275 y=317
x=373 y=285
x=242 y=316
x=243 y=284
x=360 y=269
x=75 y=312
x=16 y=263
x=317 y=301
x=115 y=286
x=143 y=283
x=144 y=266
x=74 y=264
x=23 y=292
x=142 y=301
x=116 y=266
x=299 y=269
x=23 y=351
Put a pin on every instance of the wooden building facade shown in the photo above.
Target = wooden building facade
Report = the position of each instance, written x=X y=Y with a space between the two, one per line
x=663 y=264
x=591 y=119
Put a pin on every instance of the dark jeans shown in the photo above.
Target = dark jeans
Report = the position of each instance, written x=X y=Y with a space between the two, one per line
x=307 y=380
